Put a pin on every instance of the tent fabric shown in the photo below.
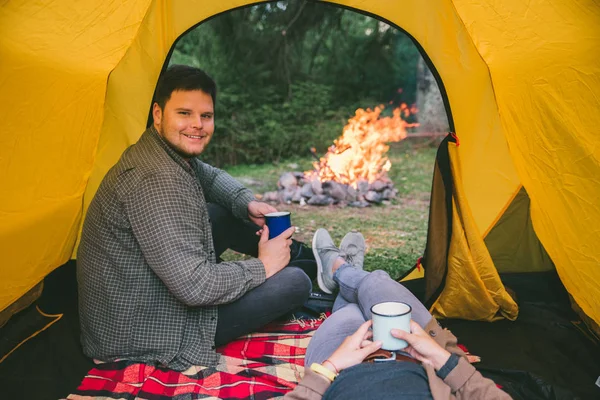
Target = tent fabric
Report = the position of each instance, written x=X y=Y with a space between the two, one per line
x=542 y=59
x=512 y=242
x=472 y=289
x=461 y=278
x=521 y=79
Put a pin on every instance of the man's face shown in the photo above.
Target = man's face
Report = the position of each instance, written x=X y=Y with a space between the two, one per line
x=187 y=122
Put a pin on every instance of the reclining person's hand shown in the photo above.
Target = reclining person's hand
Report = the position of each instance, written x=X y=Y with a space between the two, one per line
x=422 y=346
x=275 y=253
x=354 y=349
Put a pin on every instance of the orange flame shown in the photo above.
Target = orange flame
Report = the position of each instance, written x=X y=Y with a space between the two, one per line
x=360 y=153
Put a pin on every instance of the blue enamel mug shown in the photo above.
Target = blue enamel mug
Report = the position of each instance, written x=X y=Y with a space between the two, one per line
x=278 y=222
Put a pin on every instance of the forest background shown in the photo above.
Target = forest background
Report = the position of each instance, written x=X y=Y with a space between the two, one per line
x=291 y=73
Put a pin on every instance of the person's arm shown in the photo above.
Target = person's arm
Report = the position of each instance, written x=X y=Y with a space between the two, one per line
x=221 y=188
x=438 y=348
x=312 y=387
x=353 y=350
x=468 y=383
x=165 y=216
x=462 y=377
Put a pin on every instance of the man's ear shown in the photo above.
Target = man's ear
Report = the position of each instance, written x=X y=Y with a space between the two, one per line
x=156 y=114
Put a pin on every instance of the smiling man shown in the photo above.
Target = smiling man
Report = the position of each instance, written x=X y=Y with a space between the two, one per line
x=151 y=288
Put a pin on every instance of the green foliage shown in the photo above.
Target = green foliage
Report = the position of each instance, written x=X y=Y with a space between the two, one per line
x=248 y=132
x=290 y=73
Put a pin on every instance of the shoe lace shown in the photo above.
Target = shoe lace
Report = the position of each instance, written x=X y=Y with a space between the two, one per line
x=349 y=257
x=329 y=248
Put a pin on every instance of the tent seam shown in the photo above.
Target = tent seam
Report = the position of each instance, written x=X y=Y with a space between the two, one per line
x=502 y=211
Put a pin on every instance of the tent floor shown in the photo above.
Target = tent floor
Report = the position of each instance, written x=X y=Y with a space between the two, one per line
x=547 y=353
x=542 y=355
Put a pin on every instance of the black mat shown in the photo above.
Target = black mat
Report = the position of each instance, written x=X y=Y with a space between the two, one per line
x=52 y=364
x=542 y=355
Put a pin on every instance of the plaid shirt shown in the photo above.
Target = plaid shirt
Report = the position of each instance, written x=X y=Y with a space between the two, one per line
x=149 y=284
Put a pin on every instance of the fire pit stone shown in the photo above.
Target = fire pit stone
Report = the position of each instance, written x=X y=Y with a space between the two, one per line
x=287 y=181
x=320 y=200
x=378 y=185
x=351 y=194
x=316 y=185
x=286 y=195
x=390 y=193
x=307 y=191
x=270 y=197
x=363 y=186
x=359 y=204
x=297 y=195
x=293 y=187
x=373 y=197
x=335 y=190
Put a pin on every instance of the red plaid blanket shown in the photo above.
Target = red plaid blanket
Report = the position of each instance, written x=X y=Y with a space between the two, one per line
x=263 y=365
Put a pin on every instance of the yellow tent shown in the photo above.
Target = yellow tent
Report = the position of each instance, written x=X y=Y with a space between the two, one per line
x=522 y=83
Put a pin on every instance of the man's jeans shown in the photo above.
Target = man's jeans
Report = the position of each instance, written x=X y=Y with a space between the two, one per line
x=359 y=291
x=280 y=294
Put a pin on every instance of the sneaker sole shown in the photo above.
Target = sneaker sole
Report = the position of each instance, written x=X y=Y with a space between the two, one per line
x=319 y=266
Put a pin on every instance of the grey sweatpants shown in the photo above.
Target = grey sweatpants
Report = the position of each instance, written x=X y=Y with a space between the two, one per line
x=359 y=291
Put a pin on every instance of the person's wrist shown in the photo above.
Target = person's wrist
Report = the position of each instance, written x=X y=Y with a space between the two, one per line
x=323 y=371
x=331 y=365
x=440 y=358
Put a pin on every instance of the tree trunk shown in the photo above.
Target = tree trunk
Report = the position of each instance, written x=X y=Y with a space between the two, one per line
x=432 y=113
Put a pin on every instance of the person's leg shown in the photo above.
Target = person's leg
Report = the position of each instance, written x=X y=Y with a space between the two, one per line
x=332 y=332
x=359 y=291
x=232 y=233
x=367 y=289
x=339 y=303
x=229 y=232
x=280 y=294
x=348 y=279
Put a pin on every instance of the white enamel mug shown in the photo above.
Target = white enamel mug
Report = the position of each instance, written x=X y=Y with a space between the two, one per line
x=387 y=316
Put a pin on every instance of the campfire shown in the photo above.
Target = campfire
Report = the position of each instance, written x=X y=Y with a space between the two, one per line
x=354 y=169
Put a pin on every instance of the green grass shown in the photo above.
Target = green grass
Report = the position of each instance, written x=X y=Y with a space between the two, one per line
x=395 y=233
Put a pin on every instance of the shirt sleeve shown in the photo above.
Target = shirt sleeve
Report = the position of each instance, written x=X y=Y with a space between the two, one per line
x=166 y=220
x=464 y=380
x=221 y=188
x=448 y=366
x=311 y=387
x=468 y=383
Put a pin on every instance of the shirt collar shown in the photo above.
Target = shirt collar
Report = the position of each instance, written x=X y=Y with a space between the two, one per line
x=189 y=166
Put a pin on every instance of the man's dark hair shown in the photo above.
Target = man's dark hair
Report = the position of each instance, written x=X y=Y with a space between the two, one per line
x=183 y=77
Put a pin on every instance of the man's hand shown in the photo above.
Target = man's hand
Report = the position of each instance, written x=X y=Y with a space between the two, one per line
x=354 y=349
x=275 y=253
x=422 y=346
x=257 y=211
